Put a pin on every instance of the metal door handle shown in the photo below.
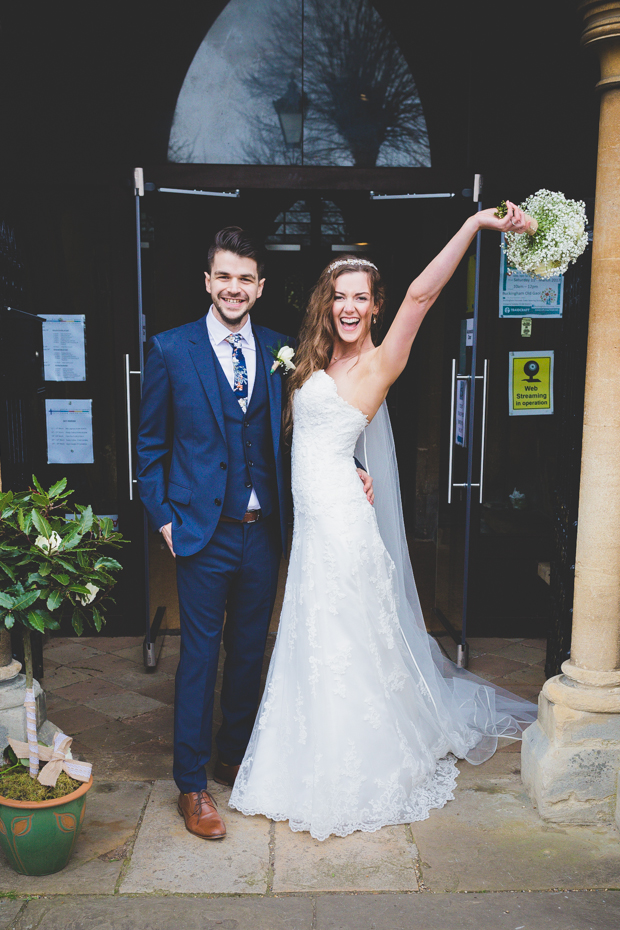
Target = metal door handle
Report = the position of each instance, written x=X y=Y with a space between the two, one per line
x=129 y=440
x=452 y=393
x=484 y=422
x=484 y=378
x=132 y=480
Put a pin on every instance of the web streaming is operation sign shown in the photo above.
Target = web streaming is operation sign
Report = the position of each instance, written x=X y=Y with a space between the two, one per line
x=530 y=383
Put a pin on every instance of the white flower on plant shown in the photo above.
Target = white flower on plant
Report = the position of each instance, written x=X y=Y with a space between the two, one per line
x=559 y=240
x=49 y=545
x=283 y=356
x=88 y=598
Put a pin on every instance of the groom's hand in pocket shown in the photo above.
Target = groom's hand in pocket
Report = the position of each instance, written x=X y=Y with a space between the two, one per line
x=166 y=532
x=367 y=482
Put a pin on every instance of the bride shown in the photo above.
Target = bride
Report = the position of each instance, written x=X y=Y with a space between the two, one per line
x=362 y=717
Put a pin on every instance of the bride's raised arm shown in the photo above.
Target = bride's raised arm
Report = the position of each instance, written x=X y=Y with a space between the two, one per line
x=393 y=353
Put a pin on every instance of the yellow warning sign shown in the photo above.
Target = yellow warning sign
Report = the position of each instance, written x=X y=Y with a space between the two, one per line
x=530 y=383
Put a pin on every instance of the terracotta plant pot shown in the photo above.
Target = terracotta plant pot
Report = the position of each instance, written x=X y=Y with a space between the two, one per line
x=38 y=838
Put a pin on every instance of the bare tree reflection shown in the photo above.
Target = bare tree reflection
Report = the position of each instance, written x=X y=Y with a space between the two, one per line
x=363 y=105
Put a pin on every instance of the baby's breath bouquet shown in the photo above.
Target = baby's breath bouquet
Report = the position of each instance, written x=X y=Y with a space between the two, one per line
x=557 y=235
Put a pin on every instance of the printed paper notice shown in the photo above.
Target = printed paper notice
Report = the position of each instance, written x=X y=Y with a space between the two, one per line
x=461 y=413
x=64 y=351
x=69 y=431
x=521 y=295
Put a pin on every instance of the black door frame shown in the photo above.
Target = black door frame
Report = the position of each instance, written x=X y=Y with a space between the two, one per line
x=197 y=178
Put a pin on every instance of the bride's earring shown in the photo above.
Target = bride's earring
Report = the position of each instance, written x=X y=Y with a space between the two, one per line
x=374 y=319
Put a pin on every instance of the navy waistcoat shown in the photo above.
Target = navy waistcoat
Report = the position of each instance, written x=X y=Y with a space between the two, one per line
x=250 y=446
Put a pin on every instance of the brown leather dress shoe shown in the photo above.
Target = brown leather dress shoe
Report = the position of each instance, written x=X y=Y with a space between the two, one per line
x=201 y=817
x=225 y=774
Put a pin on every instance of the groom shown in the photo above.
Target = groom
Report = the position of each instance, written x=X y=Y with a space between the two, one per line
x=211 y=400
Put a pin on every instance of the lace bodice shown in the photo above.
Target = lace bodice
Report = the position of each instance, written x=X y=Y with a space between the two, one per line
x=326 y=430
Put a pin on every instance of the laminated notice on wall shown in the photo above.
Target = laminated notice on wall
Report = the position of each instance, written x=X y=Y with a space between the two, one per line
x=461 y=413
x=64 y=350
x=69 y=431
x=530 y=383
x=522 y=295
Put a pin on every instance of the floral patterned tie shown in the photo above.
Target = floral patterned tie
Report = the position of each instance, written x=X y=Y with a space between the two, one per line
x=240 y=371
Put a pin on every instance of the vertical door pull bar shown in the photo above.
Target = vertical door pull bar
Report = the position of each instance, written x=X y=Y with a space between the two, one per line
x=132 y=480
x=129 y=440
x=455 y=379
x=452 y=392
x=484 y=423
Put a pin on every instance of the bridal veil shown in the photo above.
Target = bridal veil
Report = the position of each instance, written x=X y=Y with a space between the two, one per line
x=473 y=713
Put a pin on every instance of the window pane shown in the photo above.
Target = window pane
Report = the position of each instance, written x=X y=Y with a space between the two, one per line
x=256 y=94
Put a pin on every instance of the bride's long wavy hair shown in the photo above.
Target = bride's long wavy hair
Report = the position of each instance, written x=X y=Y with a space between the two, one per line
x=317 y=333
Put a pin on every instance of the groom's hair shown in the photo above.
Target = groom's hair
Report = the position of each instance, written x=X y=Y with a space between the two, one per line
x=239 y=242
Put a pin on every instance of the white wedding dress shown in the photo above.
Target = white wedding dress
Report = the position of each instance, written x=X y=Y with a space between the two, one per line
x=362 y=717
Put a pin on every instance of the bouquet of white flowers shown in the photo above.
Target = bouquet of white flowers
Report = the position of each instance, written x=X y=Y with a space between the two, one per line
x=557 y=235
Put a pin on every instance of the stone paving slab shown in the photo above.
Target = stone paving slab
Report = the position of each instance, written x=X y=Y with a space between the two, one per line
x=94 y=877
x=73 y=719
x=521 y=653
x=102 y=662
x=62 y=676
x=109 y=737
x=160 y=690
x=88 y=690
x=67 y=650
x=493 y=666
x=491 y=644
x=133 y=653
x=166 y=858
x=9 y=909
x=136 y=678
x=125 y=913
x=381 y=861
x=503 y=911
x=532 y=675
x=105 y=643
x=491 y=839
x=158 y=722
x=124 y=705
x=125 y=767
x=596 y=910
x=112 y=814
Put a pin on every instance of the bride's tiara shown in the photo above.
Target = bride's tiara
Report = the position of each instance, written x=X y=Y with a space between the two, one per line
x=351 y=261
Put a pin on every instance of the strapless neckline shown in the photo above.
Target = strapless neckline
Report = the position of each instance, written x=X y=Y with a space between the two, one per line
x=322 y=371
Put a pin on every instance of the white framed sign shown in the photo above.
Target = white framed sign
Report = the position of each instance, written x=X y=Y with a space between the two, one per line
x=530 y=383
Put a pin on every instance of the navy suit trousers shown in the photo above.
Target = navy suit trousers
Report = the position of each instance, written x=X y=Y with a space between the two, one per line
x=236 y=573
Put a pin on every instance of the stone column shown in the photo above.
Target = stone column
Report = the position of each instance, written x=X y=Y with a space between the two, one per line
x=571 y=756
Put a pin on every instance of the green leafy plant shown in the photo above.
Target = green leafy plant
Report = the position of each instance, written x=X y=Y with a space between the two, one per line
x=53 y=562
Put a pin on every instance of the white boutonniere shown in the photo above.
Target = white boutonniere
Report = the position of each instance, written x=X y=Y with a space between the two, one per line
x=282 y=356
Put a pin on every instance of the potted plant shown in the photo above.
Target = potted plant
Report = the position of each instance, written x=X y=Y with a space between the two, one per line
x=53 y=562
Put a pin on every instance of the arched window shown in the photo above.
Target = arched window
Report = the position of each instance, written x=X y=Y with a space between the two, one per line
x=294 y=224
x=312 y=82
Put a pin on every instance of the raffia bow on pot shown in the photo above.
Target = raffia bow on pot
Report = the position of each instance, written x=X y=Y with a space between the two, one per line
x=56 y=758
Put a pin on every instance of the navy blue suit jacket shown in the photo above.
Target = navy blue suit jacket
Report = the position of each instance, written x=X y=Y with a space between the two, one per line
x=181 y=413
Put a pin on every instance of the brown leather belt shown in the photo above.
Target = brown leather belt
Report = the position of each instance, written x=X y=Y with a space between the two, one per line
x=250 y=516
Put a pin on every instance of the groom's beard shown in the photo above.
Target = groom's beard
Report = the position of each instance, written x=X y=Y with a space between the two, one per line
x=233 y=319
